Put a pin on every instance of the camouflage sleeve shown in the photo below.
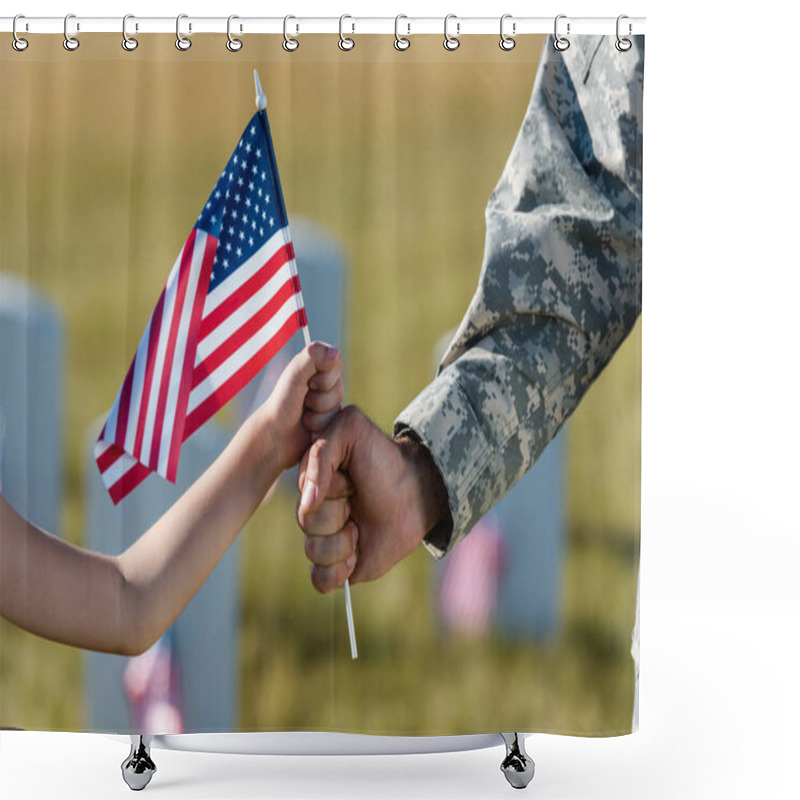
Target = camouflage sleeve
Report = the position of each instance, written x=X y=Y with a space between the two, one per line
x=560 y=286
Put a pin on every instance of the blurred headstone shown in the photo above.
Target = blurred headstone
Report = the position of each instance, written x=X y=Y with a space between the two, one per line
x=204 y=639
x=531 y=519
x=506 y=575
x=321 y=267
x=31 y=402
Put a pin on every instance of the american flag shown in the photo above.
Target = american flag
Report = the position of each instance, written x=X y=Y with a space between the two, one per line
x=231 y=301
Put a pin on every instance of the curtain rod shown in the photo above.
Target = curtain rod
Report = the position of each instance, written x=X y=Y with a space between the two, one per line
x=406 y=26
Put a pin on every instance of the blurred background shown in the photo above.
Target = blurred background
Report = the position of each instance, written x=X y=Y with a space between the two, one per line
x=387 y=161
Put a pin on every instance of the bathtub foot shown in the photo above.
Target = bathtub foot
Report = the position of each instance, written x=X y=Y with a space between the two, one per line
x=517 y=766
x=138 y=768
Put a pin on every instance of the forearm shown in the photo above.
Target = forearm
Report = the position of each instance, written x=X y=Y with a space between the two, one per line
x=57 y=590
x=164 y=568
x=122 y=605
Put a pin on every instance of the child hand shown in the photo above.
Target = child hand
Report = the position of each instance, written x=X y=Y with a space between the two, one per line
x=306 y=398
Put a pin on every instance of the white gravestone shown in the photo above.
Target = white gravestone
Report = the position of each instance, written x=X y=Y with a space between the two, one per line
x=531 y=519
x=31 y=402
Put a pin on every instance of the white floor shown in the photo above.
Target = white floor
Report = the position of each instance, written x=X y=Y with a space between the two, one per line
x=719 y=700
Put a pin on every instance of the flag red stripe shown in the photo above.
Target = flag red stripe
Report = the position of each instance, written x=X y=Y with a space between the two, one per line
x=242 y=334
x=169 y=366
x=128 y=482
x=189 y=356
x=124 y=407
x=152 y=350
x=243 y=293
x=109 y=458
x=240 y=378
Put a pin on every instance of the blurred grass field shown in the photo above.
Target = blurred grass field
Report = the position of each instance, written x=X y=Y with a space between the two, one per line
x=103 y=166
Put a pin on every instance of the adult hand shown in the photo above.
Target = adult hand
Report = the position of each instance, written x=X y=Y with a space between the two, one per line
x=366 y=502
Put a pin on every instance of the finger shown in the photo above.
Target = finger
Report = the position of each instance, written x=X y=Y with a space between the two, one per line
x=326 y=579
x=323 y=461
x=317 y=423
x=325 y=379
x=327 y=363
x=325 y=456
x=340 y=485
x=326 y=551
x=315 y=360
x=325 y=400
x=328 y=519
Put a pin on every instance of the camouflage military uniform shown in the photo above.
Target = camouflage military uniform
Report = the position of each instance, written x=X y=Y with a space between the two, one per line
x=560 y=287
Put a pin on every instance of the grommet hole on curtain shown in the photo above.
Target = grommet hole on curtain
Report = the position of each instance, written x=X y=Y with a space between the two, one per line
x=181 y=42
x=622 y=44
x=233 y=44
x=561 y=43
x=290 y=44
x=345 y=42
x=71 y=43
x=451 y=42
x=507 y=42
x=401 y=43
x=129 y=43
x=18 y=43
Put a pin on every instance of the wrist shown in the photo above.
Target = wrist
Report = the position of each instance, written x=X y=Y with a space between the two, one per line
x=429 y=490
x=260 y=449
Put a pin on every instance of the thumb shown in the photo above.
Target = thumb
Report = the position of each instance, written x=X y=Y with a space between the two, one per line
x=324 y=357
x=324 y=458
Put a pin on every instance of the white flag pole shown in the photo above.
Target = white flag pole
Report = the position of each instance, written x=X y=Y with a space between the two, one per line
x=261 y=105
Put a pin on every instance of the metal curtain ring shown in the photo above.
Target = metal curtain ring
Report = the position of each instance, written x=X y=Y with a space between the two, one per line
x=345 y=42
x=70 y=42
x=233 y=44
x=181 y=42
x=129 y=43
x=290 y=44
x=18 y=43
x=400 y=42
x=560 y=43
x=506 y=42
x=451 y=42
x=623 y=45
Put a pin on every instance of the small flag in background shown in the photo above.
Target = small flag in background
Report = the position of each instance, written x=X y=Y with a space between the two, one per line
x=231 y=301
x=469 y=584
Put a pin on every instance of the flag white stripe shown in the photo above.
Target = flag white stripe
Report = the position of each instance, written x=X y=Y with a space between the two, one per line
x=241 y=356
x=139 y=366
x=239 y=318
x=223 y=290
x=118 y=469
x=158 y=366
x=175 y=372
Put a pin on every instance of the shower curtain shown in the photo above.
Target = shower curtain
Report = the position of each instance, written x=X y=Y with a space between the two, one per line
x=475 y=208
